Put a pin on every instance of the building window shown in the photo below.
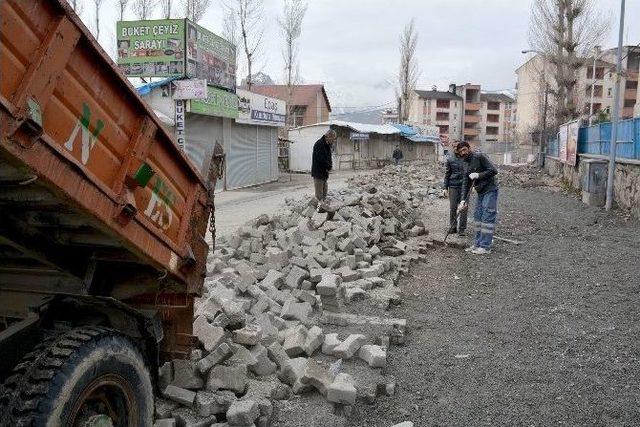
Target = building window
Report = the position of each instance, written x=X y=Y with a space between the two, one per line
x=597 y=90
x=492 y=130
x=442 y=116
x=492 y=105
x=629 y=103
x=442 y=103
x=296 y=116
x=609 y=92
x=493 y=118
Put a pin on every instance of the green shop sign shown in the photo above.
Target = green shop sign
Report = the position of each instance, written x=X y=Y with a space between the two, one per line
x=218 y=103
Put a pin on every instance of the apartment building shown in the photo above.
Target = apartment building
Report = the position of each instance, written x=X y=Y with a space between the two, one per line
x=464 y=113
x=533 y=74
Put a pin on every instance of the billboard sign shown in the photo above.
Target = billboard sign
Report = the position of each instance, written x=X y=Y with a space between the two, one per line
x=572 y=142
x=218 y=103
x=359 y=136
x=190 y=89
x=562 y=143
x=180 y=122
x=257 y=109
x=210 y=57
x=151 y=48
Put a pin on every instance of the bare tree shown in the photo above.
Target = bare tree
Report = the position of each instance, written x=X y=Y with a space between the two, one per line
x=166 y=8
x=98 y=5
x=409 y=70
x=76 y=5
x=123 y=6
x=290 y=24
x=143 y=9
x=230 y=27
x=564 y=31
x=195 y=9
x=249 y=15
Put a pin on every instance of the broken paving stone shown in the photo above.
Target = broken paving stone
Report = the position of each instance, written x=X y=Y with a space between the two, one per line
x=347 y=274
x=348 y=348
x=296 y=310
x=316 y=274
x=263 y=365
x=281 y=392
x=249 y=335
x=232 y=378
x=214 y=403
x=329 y=285
x=274 y=279
x=241 y=356
x=242 y=413
x=331 y=341
x=218 y=355
x=294 y=343
x=186 y=417
x=292 y=373
x=165 y=422
x=342 y=390
x=318 y=376
x=404 y=424
x=314 y=340
x=180 y=395
x=277 y=354
x=209 y=335
x=185 y=375
x=374 y=355
x=163 y=407
x=295 y=277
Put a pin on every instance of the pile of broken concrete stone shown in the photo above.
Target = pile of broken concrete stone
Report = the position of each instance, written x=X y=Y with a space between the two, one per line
x=276 y=288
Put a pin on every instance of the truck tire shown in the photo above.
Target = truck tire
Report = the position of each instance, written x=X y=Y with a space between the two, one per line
x=82 y=377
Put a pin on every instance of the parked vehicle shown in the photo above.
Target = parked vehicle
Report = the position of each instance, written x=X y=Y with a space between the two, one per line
x=102 y=229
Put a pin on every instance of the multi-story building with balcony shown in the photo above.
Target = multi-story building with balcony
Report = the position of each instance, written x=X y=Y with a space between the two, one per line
x=534 y=74
x=463 y=113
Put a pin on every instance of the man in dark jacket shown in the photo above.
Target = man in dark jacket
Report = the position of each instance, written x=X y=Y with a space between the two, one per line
x=480 y=172
x=397 y=155
x=452 y=187
x=321 y=164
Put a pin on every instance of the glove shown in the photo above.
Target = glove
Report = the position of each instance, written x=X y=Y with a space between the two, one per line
x=462 y=206
x=445 y=193
x=474 y=175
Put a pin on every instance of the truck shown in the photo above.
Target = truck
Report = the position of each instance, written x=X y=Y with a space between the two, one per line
x=102 y=230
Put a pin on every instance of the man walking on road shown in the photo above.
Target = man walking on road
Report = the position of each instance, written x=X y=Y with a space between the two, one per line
x=321 y=164
x=452 y=187
x=397 y=155
x=480 y=172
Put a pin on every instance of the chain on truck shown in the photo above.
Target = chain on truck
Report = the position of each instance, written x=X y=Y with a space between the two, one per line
x=102 y=229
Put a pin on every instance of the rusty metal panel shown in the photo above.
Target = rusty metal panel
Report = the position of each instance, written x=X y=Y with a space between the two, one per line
x=69 y=117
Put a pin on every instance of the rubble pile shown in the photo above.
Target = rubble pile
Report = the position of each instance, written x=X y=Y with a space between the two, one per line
x=524 y=176
x=279 y=283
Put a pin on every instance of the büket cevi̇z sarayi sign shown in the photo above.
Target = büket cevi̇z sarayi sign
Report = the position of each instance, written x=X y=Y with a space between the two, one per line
x=257 y=109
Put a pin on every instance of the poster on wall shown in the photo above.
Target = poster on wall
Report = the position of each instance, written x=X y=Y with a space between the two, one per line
x=190 y=89
x=562 y=143
x=151 y=48
x=210 y=57
x=572 y=142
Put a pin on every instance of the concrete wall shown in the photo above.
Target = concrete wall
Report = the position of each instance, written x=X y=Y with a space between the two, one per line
x=626 y=188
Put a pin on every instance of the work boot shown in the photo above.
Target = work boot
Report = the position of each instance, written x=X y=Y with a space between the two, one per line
x=462 y=233
x=452 y=230
x=471 y=248
x=481 y=251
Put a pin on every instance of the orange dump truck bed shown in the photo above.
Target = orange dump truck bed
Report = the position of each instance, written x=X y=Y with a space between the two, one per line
x=96 y=198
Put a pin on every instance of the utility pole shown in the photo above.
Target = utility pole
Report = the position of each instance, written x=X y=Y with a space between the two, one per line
x=596 y=50
x=616 y=112
x=544 y=125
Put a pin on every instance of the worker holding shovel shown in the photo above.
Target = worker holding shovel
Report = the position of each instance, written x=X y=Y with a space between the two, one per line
x=480 y=173
x=452 y=188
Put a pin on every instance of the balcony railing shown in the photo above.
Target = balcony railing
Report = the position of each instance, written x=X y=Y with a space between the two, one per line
x=475 y=106
x=471 y=118
x=471 y=131
x=630 y=93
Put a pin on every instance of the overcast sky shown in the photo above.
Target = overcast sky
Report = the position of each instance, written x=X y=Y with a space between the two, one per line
x=352 y=45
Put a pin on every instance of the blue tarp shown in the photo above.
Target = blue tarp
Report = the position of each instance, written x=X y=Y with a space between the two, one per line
x=413 y=134
x=146 y=89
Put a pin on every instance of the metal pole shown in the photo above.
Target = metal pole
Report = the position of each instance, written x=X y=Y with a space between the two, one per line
x=593 y=83
x=544 y=125
x=614 y=118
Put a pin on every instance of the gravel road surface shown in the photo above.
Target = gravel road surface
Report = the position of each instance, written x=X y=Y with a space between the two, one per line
x=542 y=333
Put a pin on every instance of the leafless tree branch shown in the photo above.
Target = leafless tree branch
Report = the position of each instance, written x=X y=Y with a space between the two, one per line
x=122 y=4
x=249 y=17
x=409 y=70
x=166 y=8
x=98 y=5
x=143 y=9
x=195 y=9
x=290 y=23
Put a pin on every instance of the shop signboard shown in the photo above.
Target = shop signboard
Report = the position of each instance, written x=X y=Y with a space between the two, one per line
x=254 y=108
x=217 y=103
x=210 y=57
x=151 y=48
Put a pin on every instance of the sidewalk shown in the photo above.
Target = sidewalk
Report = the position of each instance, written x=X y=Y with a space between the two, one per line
x=234 y=208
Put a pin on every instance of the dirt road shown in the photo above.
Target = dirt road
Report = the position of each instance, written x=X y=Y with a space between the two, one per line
x=544 y=333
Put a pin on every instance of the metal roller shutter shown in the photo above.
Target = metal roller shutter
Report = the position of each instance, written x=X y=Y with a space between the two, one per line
x=264 y=154
x=241 y=157
x=202 y=132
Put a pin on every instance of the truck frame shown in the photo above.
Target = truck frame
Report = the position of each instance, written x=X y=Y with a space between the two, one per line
x=102 y=229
